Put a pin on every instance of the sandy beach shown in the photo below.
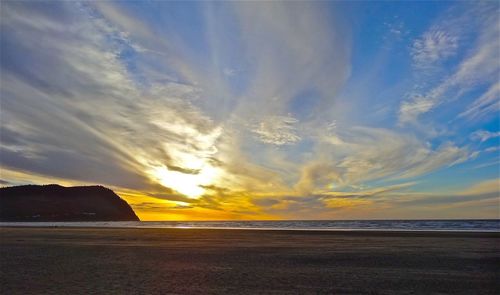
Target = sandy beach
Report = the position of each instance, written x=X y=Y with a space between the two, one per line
x=204 y=261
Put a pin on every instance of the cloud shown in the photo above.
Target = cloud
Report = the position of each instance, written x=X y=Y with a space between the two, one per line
x=363 y=153
x=487 y=104
x=492 y=149
x=277 y=130
x=289 y=46
x=317 y=175
x=411 y=109
x=484 y=190
x=434 y=46
x=486 y=186
x=396 y=28
x=229 y=72
x=327 y=204
x=495 y=162
x=477 y=68
x=484 y=135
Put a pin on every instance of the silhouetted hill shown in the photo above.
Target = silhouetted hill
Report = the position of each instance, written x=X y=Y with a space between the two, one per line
x=58 y=203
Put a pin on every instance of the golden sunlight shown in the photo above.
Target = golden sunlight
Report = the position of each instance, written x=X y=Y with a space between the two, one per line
x=190 y=185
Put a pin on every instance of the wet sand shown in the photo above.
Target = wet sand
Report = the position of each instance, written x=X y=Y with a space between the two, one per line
x=193 y=261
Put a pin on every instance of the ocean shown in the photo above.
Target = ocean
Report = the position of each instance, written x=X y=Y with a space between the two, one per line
x=491 y=225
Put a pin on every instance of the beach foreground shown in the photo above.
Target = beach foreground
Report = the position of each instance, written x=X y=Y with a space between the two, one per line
x=206 y=261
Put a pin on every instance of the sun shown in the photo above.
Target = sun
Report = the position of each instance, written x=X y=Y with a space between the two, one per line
x=190 y=185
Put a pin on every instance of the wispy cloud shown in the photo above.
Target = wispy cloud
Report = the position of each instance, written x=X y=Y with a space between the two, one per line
x=278 y=130
x=487 y=104
x=484 y=135
x=434 y=47
x=411 y=109
x=478 y=67
x=371 y=153
x=492 y=149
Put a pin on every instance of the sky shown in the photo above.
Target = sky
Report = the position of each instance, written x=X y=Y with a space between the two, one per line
x=257 y=110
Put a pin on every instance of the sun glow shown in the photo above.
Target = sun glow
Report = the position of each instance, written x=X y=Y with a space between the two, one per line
x=188 y=169
x=190 y=185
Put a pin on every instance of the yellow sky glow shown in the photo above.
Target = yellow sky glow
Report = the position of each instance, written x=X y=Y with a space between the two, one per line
x=189 y=185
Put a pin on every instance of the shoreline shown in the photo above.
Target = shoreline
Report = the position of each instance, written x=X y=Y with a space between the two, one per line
x=492 y=233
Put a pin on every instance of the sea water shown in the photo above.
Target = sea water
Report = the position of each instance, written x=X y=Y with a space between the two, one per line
x=476 y=225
